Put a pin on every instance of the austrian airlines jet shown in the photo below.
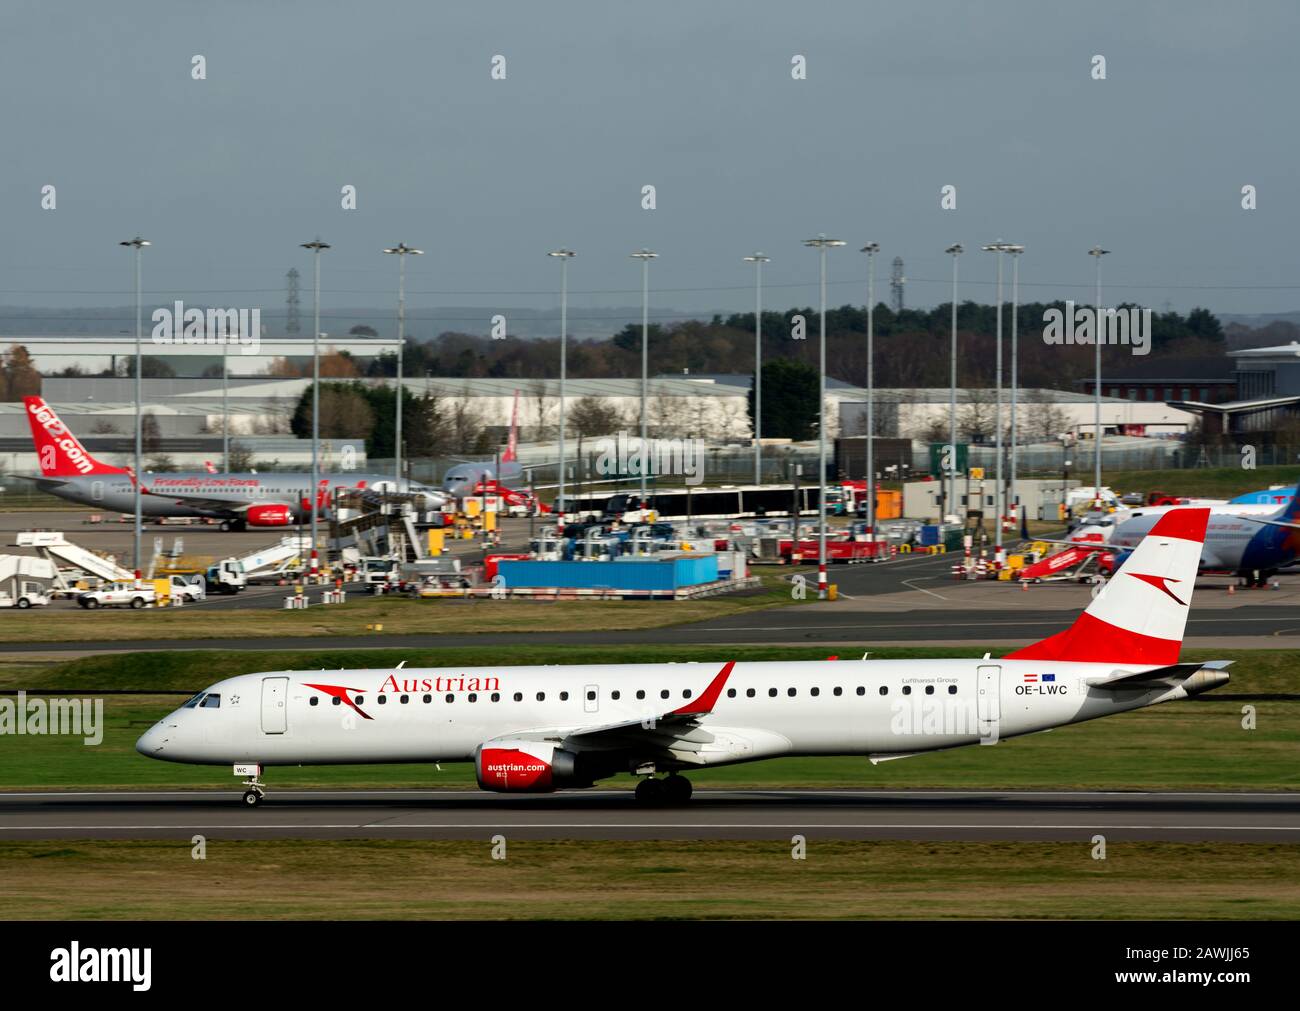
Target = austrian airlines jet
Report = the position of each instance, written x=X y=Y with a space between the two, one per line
x=539 y=729
x=238 y=500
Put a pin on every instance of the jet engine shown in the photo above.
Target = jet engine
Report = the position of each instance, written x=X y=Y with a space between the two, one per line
x=268 y=516
x=517 y=766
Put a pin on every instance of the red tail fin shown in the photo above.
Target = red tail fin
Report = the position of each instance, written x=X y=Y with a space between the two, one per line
x=510 y=455
x=58 y=451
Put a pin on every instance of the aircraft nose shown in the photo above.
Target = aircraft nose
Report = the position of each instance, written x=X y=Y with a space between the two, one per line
x=152 y=740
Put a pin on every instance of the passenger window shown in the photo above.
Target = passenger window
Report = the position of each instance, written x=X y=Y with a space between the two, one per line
x=428 y=699
x=473 y=697
x=640 y=693
x=519 y=696
x=952 y=689
x=404 y=699
x=314 y=701
x=731 y=693
x=771 y=692
x=451 y=697
x=814 y=691
x=790 y=692
x=496 y=696
x=381 y=699
x=929 y=689
x=837 y=690
x=541 y=696
x=591 y=696
x=749 y=693
x=338 y=701
x=615 y=694
x=564 y=696
x=686 y=693
x=907 y=689
x=664 y=694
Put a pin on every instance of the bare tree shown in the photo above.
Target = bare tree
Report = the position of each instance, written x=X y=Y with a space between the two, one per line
x=590 y=416
x=544 y=406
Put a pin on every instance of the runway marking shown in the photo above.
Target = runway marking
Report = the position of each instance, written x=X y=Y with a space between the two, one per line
x=703 y=791
x=908 y=582
x=694 y=826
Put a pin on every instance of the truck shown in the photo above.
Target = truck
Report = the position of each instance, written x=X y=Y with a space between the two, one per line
x=119 y=594
x=125 y=593
x=24 y=581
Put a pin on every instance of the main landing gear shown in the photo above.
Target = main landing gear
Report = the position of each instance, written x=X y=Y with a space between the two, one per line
x=256 y=792
x=671 y=791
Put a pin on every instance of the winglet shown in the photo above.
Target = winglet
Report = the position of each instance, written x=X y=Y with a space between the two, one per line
x=705 y=703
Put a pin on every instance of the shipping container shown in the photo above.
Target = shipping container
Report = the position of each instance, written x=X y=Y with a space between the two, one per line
x=622 y=574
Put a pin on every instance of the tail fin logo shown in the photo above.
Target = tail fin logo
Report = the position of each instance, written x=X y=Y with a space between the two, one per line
x=1160 y=583
x=59 y=452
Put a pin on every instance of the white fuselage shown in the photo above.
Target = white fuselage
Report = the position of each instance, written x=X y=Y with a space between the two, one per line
x=880 y=708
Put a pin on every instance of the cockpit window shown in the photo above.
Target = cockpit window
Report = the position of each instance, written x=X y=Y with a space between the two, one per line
x=194 y=701
x=212 y=701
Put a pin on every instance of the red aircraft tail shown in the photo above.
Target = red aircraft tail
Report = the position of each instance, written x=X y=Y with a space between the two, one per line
x=511 y=454
x=58 y=451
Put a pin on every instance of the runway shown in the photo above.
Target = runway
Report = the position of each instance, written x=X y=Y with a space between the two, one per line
x=613 y=814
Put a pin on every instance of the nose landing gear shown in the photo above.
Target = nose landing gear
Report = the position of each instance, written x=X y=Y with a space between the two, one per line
x=256 y=790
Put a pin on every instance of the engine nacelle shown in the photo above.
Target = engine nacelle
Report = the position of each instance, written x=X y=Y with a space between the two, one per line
x=269 y=516
x=517 y=766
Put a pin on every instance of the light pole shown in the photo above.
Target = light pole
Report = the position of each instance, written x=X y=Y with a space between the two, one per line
x=1096 y=252
x=1015 y=250
x=313 y=497
x=564 y=256
x=645 y=256
x=225 y=403
x=821 y=244
x=138 y=245
x=999 y=500
x=402 y=251
x=758 y=259
x=955 y=250
x=871 y=249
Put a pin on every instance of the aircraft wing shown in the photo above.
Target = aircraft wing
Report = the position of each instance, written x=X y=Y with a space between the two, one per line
x=1273 y=523
x=660 y=731
x=200 y=501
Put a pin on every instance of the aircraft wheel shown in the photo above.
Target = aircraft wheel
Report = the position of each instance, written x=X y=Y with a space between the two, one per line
x=677 y=789
x=650 y=791
x=224 y=526
x=252 y=798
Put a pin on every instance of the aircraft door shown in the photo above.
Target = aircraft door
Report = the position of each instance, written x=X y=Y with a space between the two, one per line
x=275 y=694
x=988 y=700
x=97 y=490
x=591 y=698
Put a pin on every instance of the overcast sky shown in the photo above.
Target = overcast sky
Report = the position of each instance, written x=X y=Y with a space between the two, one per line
x=227 y=175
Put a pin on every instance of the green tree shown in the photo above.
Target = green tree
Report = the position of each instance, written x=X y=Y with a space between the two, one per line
x=790 y=391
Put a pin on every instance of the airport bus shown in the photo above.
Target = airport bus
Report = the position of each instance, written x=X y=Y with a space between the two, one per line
x=726 y=502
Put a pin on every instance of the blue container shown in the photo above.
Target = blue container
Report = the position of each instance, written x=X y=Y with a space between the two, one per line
x=621 y=574
x=929 y=534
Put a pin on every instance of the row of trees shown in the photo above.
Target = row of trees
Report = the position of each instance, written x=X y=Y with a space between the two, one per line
x=912 y=347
